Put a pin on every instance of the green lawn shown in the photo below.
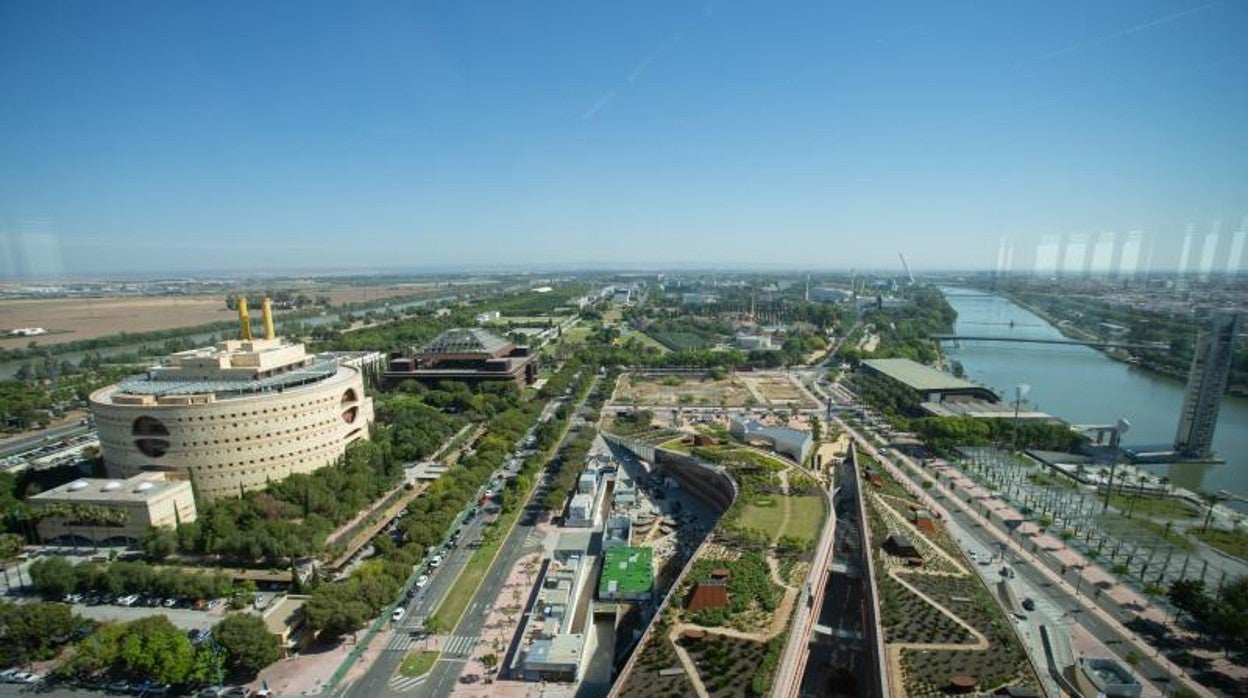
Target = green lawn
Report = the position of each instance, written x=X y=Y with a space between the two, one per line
x=766 y=513
x=806 y=517
x=577 y=334
x=1160 y=507
x=647 y=340
x=1230 y=542
x=418 y=663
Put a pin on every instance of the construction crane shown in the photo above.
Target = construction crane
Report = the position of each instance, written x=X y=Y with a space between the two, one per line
x=906 y=267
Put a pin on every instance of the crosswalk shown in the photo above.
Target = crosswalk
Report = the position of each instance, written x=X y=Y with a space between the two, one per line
x=459 y=646
x=455 y=646
x=402 y=684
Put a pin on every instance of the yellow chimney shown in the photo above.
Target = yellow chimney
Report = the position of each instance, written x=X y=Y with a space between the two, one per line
x=267 y=309
x=244 y=320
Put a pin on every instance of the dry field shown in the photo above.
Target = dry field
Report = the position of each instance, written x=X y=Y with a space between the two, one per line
x=364 y=294
x=70 y=319
x=682 y=390
x=775 y=389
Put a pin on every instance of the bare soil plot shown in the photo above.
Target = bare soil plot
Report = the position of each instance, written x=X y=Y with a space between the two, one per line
x=70 y=319
x=682 y=390
x=776 y=389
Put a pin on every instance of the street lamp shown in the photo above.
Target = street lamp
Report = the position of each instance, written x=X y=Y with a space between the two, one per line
x=1122 y=427
x=1020 y=391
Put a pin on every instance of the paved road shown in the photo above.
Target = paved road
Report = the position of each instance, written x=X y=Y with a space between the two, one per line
x=518 y=543
x=380 y=679
x=24 y=443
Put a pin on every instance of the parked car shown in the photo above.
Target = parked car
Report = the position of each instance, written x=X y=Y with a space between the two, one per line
x=127 y=600
x=7 y=675
x=421 y=581
x=1029 y=604
x=398 y=614
x=121 y=686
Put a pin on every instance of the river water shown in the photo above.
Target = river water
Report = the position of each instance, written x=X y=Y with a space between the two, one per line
x=1083 y=386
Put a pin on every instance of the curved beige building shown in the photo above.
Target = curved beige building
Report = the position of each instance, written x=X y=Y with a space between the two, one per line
x=233 y=417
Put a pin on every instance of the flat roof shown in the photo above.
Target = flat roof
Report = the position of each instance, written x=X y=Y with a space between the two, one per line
x=632 y=570
x=919 y=376
x=318 y=370
x=140 y=488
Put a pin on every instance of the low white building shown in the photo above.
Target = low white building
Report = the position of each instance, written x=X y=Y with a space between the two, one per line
x=113 y=511
x=488 y=316
x=580 y=511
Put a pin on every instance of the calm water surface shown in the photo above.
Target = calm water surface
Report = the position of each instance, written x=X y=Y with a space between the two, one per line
x=1083 y=386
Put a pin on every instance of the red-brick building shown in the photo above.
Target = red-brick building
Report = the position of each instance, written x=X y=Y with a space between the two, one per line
x=467 y=355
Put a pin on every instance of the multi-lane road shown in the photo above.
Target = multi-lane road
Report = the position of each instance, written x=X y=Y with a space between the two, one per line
x=457 y=647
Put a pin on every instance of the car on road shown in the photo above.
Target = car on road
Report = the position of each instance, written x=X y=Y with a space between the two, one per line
x=437 y=560
x=421 y=581
x=1029 y=604
x=128 y=600
x=398 y=614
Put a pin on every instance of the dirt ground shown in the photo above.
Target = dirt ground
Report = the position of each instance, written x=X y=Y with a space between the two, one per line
x=775 y=389
x=70 y=319
x=680 y=390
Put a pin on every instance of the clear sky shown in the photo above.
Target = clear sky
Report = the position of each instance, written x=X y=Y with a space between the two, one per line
x=179 y=136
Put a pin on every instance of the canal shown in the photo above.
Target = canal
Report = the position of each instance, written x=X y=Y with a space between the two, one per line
x=1083 y=386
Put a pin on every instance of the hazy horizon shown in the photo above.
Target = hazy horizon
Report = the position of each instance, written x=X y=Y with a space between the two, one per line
x=152 y=139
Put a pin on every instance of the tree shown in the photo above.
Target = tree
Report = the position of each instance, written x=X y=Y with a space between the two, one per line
x=489 y=661
x=52 y=576
x=1188 y=595
x=159 y=543
x=248 y=644
x=34 y=631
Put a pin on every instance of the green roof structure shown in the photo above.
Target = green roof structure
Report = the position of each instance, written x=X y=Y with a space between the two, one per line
x=927 y=380
x=627 y=573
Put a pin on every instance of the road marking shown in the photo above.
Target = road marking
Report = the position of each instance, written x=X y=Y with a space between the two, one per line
x=401 y=684
x=459 y=645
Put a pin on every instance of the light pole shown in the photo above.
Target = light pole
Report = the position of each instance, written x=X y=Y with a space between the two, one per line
x=1122 y=427
x=1020 y=391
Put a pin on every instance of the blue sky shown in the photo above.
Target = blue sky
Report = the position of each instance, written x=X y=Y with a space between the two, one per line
x=141 y=137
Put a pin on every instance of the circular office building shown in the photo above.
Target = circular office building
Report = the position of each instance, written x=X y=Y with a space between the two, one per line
x=233 y=417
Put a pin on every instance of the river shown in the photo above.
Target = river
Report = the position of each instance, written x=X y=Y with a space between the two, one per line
x=1083 y=386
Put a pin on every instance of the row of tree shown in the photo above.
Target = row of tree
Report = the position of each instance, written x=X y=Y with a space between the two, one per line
x=54 y=577
x=1221 y=614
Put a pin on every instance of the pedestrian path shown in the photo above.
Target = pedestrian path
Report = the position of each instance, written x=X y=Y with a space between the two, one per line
x=403 y=684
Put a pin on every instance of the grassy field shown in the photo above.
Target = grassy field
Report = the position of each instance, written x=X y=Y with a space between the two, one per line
x=805 y=517
x=1230 y=542
x=418 y=663
x=646 y=340
x=1160 y=507
x=768 y=512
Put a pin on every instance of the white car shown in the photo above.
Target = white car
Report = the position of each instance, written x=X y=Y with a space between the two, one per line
x=437 y=560
x=398 y=614
x=421 y=581
x=128 y=600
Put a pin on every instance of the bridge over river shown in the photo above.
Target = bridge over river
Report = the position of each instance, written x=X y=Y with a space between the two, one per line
x=1157 y=346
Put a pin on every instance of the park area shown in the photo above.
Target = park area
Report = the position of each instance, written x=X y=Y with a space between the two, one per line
x=637 y=389
x=794 y=516
x=939 y=619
